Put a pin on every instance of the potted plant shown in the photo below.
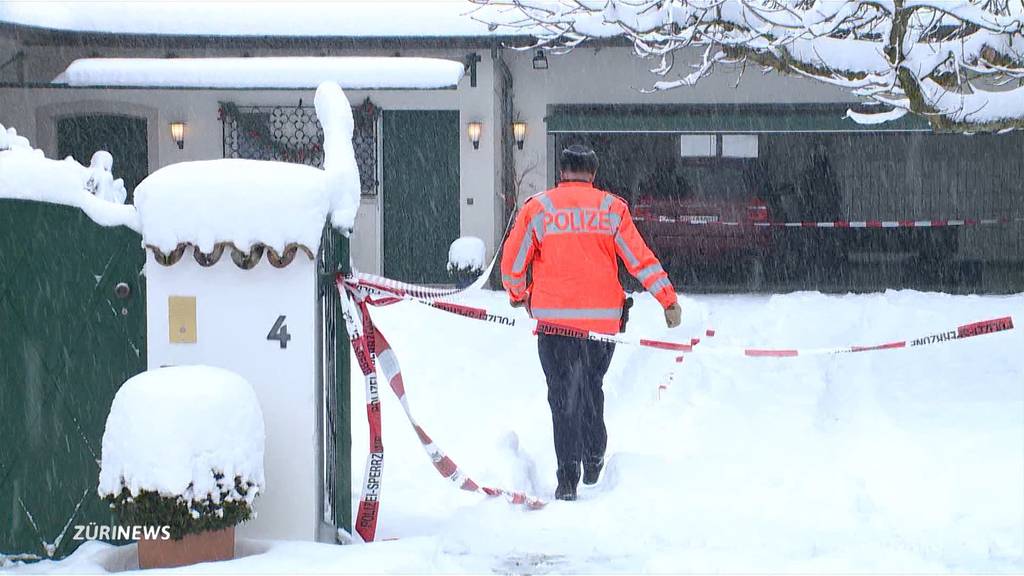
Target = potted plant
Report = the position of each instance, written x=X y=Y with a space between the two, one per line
x=466 y=260
x=182 y=463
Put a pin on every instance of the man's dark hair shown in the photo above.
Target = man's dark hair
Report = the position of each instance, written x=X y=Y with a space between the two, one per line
x=579 y=158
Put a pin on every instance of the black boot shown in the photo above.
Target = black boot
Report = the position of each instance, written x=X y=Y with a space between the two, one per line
x=592 y=471
x=568 y=477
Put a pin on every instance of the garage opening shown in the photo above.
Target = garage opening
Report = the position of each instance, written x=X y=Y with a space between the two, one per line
x=771 y=204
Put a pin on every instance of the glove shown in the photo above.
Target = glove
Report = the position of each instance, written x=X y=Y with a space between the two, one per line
x=673 y=315
x=521 y=303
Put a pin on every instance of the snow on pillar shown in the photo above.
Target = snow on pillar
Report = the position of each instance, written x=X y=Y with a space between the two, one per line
x=232 y=282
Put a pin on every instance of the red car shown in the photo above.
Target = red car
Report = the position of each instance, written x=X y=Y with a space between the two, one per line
x=707 y=218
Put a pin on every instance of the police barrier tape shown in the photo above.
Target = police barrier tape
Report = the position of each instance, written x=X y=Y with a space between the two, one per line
x=396 y=292
x=371 y=347
x=934 y=223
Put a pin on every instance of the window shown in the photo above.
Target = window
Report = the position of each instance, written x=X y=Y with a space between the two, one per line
x=697 y=145
x=293 y=134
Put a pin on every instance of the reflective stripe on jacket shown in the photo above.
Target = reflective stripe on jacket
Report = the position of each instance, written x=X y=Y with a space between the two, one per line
x=571 y=236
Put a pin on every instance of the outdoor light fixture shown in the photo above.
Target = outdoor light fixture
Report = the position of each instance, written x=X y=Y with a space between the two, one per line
x=540 y=61
x=178 y=134
x=519 y=131
x=473 y=129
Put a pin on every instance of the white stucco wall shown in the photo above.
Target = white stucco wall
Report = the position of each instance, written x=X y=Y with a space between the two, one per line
x=235 y=311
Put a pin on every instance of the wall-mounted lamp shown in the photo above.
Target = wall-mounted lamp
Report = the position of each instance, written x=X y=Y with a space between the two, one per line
x=178 y=134
x=519 y=131
x=540 y=61
x=473 y=129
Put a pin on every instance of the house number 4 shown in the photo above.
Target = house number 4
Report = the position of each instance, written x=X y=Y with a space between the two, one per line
x=280 y=332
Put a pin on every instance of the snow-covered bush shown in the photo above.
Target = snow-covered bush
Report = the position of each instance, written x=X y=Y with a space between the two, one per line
x=183 y=447
x=466 y=260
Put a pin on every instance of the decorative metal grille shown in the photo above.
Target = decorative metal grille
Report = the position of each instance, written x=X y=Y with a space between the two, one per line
x=293 y=134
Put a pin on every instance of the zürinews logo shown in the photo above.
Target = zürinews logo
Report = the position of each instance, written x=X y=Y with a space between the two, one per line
x=93 y=531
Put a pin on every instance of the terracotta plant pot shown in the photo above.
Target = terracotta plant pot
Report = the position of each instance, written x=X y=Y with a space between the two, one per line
x=192 y=549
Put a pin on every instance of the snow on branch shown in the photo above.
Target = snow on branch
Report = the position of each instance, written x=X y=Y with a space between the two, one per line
x=958 y=63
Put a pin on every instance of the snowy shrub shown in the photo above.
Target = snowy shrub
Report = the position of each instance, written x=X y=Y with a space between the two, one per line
x=183 y=447
x=466 y=260
x=183 y=516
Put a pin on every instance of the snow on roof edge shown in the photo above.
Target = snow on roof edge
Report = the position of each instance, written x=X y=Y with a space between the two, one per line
x=301 y=19
x=295 y=72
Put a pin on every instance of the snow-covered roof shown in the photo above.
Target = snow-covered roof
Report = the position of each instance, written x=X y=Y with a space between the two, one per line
x=273 y=72
x=379 y=18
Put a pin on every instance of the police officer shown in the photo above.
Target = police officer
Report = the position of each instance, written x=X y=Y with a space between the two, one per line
x=570 y=238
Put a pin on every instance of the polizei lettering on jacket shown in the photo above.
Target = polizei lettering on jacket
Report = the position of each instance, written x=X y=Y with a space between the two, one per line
x=941 y=337
x=578 y=220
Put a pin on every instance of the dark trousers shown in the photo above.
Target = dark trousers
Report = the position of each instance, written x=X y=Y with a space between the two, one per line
x=575 y=372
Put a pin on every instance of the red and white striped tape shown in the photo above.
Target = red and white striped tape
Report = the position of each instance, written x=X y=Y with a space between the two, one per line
x=960 y=332
x=371 y=347
x=703 y=221
x=391 y=296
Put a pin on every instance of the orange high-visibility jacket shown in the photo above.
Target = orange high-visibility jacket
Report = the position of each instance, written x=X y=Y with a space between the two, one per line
x=572 y=235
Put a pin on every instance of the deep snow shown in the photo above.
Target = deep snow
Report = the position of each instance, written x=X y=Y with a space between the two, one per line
x=897 y=461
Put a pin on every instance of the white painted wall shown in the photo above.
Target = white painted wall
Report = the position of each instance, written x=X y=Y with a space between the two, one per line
x=236 y=310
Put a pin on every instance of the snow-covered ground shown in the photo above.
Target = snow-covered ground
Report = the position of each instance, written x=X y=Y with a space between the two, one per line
x=898 y=461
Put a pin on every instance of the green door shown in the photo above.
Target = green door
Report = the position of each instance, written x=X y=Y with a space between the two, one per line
x=123 y=136
x=67 y=342
x=421 y=193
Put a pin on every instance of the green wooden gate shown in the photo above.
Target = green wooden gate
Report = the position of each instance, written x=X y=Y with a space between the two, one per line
x=67 y=342
x=420 y=172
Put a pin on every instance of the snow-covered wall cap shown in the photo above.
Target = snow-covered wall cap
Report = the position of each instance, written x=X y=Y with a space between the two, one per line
x=366 y=18
x=250 y=202
x=356 y=72
x=25 y=174
x=242 y=202
x=170 y=429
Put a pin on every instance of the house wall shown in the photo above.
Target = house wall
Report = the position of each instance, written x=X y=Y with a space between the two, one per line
x=35 y=110
x=583 y=76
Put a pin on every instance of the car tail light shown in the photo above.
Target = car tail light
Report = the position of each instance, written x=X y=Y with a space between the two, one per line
x=643 y=206
x=757 y=211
